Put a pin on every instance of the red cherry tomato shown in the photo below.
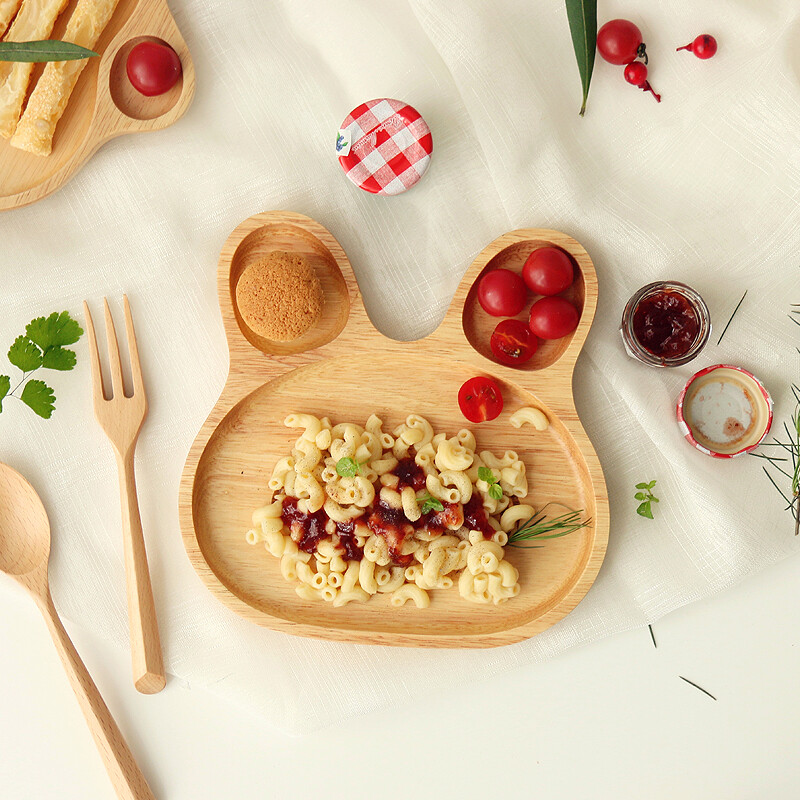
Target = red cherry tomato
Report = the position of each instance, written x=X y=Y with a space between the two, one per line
x=480 y=399
x=502 y=293
x=513 y=342
x=548 y=271
x=153 y=68
x=553 y=317
x=620 y=42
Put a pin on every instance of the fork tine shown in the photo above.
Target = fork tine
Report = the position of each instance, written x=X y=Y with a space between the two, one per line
x=117 y=385
x=133 y=348
x=94 y=355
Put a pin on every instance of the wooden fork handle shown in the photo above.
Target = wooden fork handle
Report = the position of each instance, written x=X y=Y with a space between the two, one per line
x=125 y=774
x=148 y=662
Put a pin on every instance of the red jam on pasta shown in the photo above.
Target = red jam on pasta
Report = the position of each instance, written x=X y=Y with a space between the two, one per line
x=360 y=511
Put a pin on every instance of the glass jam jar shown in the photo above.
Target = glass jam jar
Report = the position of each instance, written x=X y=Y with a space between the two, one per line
x=665 y=324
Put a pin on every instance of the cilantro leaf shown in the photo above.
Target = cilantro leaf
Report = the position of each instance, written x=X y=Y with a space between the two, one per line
x=495 y=491
x=57 y=330
x=5 y=388
x=485 y=474
x=60 y=358
x=39 y=397
x=347 y=467
x=640 y=496
x=645 y=510
x=643 y=486
x=25 y=355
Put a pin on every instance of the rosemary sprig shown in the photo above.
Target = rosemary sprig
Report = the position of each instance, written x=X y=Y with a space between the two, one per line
x=539 y=527
x=792 y=447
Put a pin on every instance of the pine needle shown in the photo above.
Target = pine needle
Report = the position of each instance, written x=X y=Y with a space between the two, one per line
x=692 y=683
x=725 y=329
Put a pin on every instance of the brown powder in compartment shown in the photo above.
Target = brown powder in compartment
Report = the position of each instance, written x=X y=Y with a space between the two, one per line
x=279 y=296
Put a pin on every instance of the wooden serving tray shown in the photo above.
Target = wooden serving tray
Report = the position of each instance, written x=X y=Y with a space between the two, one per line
x=103 y=104
x=345 y=369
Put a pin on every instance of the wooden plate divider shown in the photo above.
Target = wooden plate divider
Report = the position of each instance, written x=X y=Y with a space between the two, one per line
x=345 y=369
x=103 y=104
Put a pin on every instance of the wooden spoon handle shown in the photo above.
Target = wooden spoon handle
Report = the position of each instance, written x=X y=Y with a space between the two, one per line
x=125 y=774
x=148 y=663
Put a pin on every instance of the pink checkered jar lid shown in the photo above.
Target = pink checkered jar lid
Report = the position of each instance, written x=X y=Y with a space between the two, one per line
x=384 y=146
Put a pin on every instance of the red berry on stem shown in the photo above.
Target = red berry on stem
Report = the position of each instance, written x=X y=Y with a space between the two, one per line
x=704 y=46
x=636 y=73
x=620 y=42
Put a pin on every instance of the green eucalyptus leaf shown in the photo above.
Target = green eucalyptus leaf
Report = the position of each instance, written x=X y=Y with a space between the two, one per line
x=582 y=16
x=44 y=50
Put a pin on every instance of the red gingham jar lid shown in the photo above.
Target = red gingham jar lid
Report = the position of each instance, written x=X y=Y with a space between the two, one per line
x=384 y=146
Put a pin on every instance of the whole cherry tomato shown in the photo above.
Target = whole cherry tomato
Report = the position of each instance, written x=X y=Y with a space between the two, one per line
x=153 y=68
x=620 y=42
x=502 y=293
x=513 y=342
x=553 y=317
x=548 y=271
x=480 y=399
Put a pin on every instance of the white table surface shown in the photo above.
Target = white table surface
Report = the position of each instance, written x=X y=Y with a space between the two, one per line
x=607 y=720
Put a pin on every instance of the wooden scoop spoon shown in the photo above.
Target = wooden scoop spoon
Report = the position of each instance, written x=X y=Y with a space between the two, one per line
x=24 y=551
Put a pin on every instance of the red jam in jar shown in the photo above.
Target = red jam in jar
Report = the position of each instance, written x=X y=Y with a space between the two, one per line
x=666 y=324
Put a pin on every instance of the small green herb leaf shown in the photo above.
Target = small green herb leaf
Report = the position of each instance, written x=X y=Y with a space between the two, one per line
x=347 y=467
x=39 y=397
x=59 y=358
x=5 y=388
x=485 y=474
x=57 y=330
x=582 y=15
x=644 y=510
x=495 y=491
x=429 y=503
x=25 y=355
x=646 y=497
x=44 y=50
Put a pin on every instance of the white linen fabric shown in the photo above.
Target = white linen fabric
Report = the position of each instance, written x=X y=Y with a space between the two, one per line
x=702 y=188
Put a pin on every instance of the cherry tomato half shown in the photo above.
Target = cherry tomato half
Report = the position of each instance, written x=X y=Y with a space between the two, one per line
x=548 y=271
x=553 y=317
x=502 y=293
x=480 y=399
x=513 y=342
x=153 y=68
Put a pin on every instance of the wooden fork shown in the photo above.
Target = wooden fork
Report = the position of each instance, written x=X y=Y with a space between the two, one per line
x=121 y=418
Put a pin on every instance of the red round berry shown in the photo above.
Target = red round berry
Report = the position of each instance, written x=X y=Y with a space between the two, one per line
x=620 y=42
x=704 y=46
x=636 y=73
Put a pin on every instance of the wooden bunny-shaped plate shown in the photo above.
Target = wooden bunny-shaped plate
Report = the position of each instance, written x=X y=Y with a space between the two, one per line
x=344 y=369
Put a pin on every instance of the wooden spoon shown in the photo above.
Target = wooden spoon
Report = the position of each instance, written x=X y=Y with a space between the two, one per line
x=24 y=552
